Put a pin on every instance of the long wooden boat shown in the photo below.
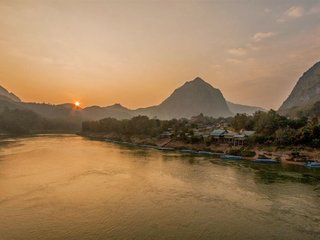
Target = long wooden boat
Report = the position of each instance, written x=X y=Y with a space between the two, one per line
x=231 y=157
x=312 y=164
x=265 y=160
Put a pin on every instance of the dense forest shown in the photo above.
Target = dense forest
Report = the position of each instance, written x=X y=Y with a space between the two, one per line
x=17 y=121
x=270 y=127
x=140 y=125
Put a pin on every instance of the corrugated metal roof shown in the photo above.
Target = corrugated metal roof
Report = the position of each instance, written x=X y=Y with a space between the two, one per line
x=218 y=132
x=239 y=136
x=229 y=134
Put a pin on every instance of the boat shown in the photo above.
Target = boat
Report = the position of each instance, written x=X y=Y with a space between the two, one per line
x=231 y=157
x=147 y=146
x=188 y=151
x=165 y=148
x=265 y=160
x=312 y=164
x=206 y=153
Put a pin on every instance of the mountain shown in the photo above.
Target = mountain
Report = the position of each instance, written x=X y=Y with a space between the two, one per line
x=191 y=99
x=8 y=100
x=17 y=117
x=61 y=111
x=5 y=93
x=115 y=111
x=239 y=108
x=305 y=93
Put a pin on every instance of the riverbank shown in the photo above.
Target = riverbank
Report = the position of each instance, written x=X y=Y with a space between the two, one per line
x=292 y=156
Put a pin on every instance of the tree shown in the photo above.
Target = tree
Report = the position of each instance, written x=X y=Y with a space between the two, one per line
x=285 y=136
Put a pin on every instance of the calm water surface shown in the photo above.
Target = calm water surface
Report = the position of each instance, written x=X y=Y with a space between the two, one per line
x=68 y=187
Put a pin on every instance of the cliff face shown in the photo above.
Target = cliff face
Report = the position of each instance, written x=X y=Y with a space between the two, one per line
x=306 y=92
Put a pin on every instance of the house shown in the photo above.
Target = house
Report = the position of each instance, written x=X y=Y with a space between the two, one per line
x=196 y=132
x=217 y=134
x=166 y=134
x=239 y=139
x=242 y=137
x=228 y=137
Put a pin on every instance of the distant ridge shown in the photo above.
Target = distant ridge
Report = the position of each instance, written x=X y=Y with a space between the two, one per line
x=192 y=98
x=115 y=111
x=239 y=108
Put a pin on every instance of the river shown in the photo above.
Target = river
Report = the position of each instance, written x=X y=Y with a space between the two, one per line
x=61 y=187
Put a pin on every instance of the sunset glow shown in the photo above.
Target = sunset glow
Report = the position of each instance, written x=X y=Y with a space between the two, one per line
x=159 y=119
x=121 y=49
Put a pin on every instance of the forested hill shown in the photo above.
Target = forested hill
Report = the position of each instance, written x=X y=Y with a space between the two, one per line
x=19 y=121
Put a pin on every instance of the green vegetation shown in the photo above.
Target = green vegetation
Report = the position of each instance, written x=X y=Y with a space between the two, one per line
x=27 y=122
x=140 y=125
x=274 y=129
x=270 y=128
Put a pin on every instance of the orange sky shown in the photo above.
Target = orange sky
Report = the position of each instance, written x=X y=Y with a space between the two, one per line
x=137 y=52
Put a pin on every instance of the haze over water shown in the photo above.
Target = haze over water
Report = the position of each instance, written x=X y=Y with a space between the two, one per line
x=67 y=187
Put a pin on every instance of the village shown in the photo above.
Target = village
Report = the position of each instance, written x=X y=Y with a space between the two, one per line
x=211 y=135
x=200 y=129
x=239 y=137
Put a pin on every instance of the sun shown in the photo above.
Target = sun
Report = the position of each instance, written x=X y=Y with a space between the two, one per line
x=77 y=103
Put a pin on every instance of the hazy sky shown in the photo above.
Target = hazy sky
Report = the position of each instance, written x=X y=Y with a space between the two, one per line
x=137 y=52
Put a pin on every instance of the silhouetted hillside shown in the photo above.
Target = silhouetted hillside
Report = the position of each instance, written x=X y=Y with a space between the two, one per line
x=191 y=99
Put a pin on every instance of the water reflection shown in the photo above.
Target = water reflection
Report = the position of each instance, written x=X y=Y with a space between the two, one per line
x=264 y=173
x=67 y=187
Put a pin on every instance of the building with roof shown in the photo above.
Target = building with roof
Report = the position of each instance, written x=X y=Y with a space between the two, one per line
x=247 y=133
x=218 y=134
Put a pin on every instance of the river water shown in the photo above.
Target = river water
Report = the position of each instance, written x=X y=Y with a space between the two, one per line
x=67 y=187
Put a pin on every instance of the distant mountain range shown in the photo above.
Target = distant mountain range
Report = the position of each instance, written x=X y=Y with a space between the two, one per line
x=239 y=108
x=305 y=96
x=191 y=99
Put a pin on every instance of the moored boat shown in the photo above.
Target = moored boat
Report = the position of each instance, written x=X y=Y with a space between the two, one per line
x=265 y=160
x=165 y=149
x=231 y=157
x=312 y=164
x=206 y=153
x=188 y=151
